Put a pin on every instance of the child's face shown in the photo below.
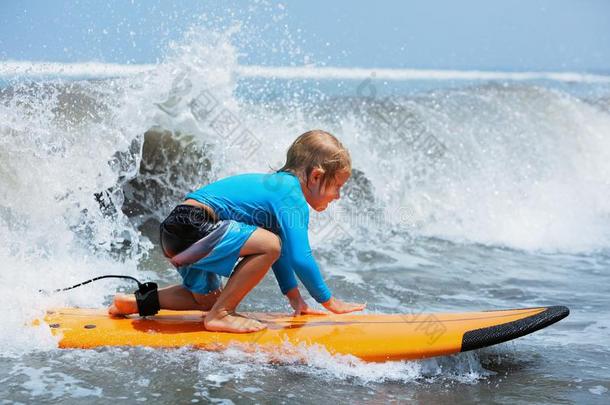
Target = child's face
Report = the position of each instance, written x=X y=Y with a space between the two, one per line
x=319 y=195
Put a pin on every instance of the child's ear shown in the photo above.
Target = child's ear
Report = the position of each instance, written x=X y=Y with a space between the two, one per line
x=317 y=175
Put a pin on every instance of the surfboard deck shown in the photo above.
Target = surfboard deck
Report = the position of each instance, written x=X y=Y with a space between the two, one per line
x=370 y=337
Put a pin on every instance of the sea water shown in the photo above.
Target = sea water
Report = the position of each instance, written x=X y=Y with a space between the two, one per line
x=466 y=195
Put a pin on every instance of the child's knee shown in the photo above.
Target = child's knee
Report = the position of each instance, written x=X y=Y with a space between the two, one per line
x=274 y=249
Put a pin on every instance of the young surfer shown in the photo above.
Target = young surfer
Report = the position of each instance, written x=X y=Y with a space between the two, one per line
x=262 y=218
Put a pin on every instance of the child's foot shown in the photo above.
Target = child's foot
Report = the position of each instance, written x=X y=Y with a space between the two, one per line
x=232 y=322
x=124 y=304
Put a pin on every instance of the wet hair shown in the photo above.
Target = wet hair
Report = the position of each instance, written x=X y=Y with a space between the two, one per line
x=317 y=149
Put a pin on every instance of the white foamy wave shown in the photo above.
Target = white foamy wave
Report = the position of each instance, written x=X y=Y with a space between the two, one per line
x=464 y=368
x=521 y=166
x=68 y=70
x=66 y=374
x=60 y=218
x=316 y=361
x=326 y=73
x=44 y=382
x=62 y=182
x=103 y=70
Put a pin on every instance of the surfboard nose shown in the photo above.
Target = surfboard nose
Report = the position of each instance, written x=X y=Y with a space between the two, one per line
x=478 y=338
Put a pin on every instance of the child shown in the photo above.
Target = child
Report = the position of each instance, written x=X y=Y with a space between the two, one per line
x=262 y=218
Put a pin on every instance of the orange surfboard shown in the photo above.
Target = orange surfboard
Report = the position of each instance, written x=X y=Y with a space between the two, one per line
x=371 y=337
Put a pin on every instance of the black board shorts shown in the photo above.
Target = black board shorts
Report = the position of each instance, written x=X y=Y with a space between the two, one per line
x=184 y=226
x=200 y=248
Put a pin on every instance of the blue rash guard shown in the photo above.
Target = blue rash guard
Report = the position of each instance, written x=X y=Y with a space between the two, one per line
x=274 y=202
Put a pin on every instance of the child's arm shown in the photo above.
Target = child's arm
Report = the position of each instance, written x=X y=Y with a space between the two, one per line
x=284 y=273
x=297 y=256
x=288 y=284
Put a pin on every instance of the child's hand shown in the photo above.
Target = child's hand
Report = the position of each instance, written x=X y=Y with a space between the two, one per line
x=303 y=309
x=299 y=305
x=340 y=307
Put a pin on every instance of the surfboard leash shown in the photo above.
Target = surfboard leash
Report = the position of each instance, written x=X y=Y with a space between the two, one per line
x=94 y=279
x=147 y=294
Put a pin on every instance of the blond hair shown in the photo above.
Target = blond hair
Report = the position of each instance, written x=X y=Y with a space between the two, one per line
x=317 y=149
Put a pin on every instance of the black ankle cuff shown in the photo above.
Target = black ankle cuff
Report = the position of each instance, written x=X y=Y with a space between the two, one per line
x=147 y=298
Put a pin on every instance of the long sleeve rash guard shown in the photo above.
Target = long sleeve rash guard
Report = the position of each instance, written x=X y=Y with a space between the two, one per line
x=274 y=202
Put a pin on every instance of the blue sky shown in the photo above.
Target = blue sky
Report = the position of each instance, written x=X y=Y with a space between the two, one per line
x=556 y=35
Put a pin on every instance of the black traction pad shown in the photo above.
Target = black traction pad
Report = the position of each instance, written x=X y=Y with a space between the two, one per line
x=477 y=338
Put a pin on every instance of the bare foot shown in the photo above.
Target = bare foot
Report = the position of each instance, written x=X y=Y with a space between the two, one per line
x=232 y=322
x=124 y=304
